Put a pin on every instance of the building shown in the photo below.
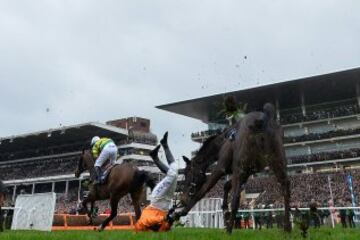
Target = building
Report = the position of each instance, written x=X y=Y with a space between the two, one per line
x=139 y=142
x=320 y=116
x=46 y=161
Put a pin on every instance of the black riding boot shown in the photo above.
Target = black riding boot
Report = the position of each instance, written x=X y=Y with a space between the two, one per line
x=169 y=157
x=98 y=173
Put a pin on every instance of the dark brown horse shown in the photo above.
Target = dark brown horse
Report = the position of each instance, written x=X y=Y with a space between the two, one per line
x=123 y=179
x=257 y=144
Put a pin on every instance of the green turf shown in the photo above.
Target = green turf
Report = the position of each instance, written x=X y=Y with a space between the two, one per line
x=184 y=234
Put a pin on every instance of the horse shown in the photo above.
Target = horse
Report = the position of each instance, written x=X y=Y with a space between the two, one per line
x=123 y=179
x=256 y=145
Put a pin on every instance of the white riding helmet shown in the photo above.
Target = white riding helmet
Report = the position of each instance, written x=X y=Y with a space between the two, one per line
x=94 y=140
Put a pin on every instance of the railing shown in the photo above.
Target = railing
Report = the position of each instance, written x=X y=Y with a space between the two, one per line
x=81 y=222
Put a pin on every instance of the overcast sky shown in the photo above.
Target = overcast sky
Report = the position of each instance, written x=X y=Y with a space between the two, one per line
x=101 y=60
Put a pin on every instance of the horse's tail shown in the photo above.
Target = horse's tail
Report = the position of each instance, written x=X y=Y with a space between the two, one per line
x=143 y=177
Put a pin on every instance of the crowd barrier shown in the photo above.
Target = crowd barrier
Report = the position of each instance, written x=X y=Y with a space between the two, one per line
x=81 y=222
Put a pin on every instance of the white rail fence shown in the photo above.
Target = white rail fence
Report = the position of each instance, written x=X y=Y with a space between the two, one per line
x=208 y=213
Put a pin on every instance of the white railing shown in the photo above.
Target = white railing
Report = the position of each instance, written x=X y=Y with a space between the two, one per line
x=208 y=214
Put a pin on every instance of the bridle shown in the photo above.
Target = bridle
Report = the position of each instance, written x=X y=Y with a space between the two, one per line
x=195 y=180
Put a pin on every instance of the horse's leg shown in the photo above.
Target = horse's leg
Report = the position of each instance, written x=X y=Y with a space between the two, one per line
x=135 y=197
x=227 y=188
x=114 y=200
x=91 y=212
x=88 y=212
x=279 y=168
x=238 y=180
x=1 y=219
x=84 y=204
x=225 y=205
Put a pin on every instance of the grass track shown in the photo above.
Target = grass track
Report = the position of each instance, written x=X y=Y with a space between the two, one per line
x=184 y=234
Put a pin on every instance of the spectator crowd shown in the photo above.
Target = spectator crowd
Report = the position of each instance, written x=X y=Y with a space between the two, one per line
x=39 y=168
x=322 y=112
x=319 y=136
x=304 y=188
x=325 y=156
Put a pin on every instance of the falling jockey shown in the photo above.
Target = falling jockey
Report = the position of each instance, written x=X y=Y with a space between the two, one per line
x=155 y=216
x=102 y=149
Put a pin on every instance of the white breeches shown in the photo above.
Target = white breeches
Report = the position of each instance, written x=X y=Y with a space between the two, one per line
x=164 y=191
x=110 y=152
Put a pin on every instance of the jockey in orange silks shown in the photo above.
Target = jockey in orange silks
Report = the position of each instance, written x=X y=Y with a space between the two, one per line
x=154 y=216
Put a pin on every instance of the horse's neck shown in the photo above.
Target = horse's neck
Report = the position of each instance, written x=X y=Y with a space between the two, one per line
x=91 y=168
x=209 y=158
x=92 y=173
x=206 y=163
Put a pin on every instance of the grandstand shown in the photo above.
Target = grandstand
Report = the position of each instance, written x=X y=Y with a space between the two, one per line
x=321 y=120
x=45 y=161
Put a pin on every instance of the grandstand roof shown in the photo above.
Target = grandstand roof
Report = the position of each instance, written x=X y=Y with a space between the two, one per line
x=330 y=87
x=60 y=136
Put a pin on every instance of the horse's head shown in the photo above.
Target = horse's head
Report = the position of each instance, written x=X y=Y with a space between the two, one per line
x=195 y=177
x=196 y=168
x=86 y=162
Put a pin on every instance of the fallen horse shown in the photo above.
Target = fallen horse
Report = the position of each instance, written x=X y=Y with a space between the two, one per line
x=256 y=144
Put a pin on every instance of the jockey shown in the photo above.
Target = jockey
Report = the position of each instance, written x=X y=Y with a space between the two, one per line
x=154 y=216
x=103 y=149
x=233 y=112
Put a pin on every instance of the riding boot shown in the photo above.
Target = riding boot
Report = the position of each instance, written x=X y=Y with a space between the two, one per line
x=98 y=173
x=169 y=157
x=154 y=153
x=163 y=141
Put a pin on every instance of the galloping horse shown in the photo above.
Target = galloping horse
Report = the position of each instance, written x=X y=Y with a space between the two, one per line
x=123 y=179
x=257 y=144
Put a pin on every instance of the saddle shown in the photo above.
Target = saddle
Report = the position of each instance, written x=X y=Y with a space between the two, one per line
x=105 y=172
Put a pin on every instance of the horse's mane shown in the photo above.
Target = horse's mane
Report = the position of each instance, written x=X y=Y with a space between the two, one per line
x=212 y=145
x=206 y=144
x=209 y=150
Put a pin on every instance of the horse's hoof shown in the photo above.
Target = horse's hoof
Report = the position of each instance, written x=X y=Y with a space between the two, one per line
x=287 y=228
x=100 y=228
x=229 y=230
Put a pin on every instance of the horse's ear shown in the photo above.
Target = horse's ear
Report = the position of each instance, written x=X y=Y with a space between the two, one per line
x=269 y=110
x=186 y=160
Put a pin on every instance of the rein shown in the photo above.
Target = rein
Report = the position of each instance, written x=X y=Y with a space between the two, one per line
x=193 y=183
